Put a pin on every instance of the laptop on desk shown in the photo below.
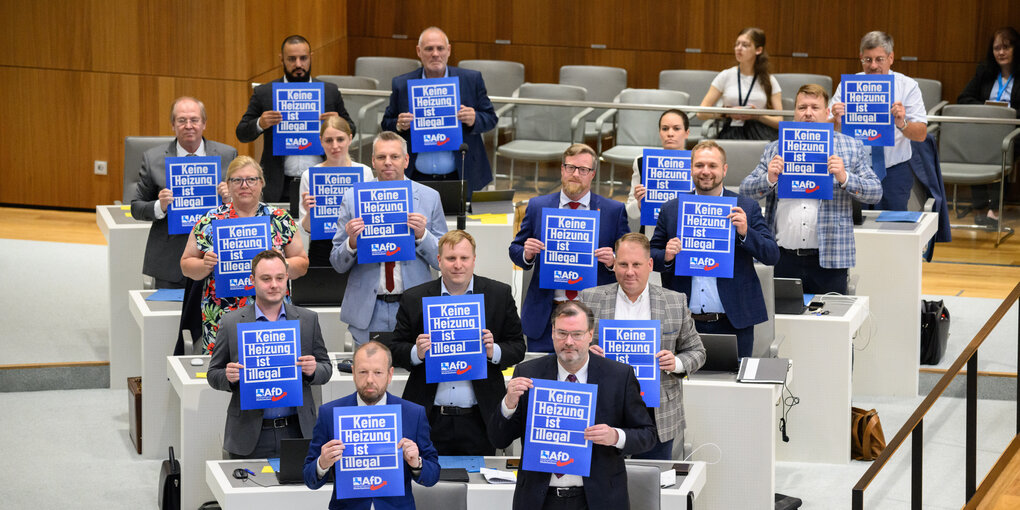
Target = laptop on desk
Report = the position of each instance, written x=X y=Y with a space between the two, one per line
x=492 y=202
x=789 y=296
x=720 y=353
x=320 y=286
x=292 y=460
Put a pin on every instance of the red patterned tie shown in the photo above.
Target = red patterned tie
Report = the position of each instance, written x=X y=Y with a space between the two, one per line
x=390 y=284
x=570 y=378
x=572 y=294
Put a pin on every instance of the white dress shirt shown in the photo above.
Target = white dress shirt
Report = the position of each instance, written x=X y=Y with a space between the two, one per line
x=382 y=401
x=639 y=310
x=907 y=92
x=158 y=211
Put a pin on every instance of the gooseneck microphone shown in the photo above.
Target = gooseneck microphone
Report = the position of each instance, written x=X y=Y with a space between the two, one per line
x=462 y=213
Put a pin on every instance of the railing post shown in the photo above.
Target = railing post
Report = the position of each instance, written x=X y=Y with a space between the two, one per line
x=916 y=464
x=1018 y=369
x=858 y=499
x=971 y=438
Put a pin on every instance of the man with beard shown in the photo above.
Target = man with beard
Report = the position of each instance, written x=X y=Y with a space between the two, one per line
x=296 y=56
x=577 y=172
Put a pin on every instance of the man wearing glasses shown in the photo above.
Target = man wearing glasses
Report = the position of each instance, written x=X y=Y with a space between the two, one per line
x=891 y=164
x=577 y=172
x=680 y=349
x=622 y=425
x=152 y=197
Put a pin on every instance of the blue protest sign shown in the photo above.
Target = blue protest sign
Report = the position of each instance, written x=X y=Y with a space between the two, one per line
x=300 y=104
x=805 y=148
x=568 y=260
x=434 y=103
x=455 y=325
x=371 y=466
x=635 y=342
x=666 y=174
x=868 y=99
x=328 y=184
x=236 y=241
x=269 y=353
x=384 y=206
x=706 y=236
x=558 y=413
x=192 y=181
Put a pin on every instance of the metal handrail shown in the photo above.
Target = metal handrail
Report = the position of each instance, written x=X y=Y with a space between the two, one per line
x=914 y=425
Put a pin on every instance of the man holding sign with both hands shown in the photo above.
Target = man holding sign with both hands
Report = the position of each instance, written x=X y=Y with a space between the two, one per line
x=815 y=237
x=458 y=410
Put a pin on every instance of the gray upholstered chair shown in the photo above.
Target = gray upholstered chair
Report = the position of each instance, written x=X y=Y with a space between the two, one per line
x=977 y=153
x=791 y=82
x=643 y=487
x=696 y=84
x=602 y=83
x=384 y=69
x=541 y=132
x=742 y=156
x=365 y=111
x=502 y=78
x=441 y=496
x=134 y=147
x=931 y=94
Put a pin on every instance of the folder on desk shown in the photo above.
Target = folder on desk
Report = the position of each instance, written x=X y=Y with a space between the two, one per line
x=763 y=370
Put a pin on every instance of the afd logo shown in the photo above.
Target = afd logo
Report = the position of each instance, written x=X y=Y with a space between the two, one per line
x=296 y=142
x=371 y=483
x=242 y=283
x=870 y=134
x=387 y=249
x=804 y=186
x=437 y=139
x=703 y=263
x=272 y=394
x=570 y=277
x=554 y=457
x=454 y=367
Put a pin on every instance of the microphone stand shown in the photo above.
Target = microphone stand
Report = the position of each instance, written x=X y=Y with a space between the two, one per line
x=462 y=213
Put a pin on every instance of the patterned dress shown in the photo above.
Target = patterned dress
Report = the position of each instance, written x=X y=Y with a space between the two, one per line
x=283 y=230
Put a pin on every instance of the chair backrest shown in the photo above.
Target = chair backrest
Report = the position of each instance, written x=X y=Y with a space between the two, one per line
x=441 y=496
x=346 y=81
x=368 y=126
x=765 y=332
x=742 y=156
x=641 y=127
x=978 y=144
x=134 y=147
x=643 y=487
x=546 y=123
x=502 y=77
x=791 y=82
x=692 y=81
x=602 y=83
x=384 y=69
x=931 y=92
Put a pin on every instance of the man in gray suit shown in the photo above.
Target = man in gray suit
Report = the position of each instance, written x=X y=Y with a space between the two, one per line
x=681 y=352
x=162 y=250
x=373 y=290
x=256 y=433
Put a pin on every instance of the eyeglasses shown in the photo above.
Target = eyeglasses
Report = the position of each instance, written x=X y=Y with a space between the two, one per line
x=560 y=334
x=250 y=181
x=877 y=60
x=582 y=170
x=181 y=121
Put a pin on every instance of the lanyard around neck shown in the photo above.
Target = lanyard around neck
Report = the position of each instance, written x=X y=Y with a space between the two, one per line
x=1003 y=86
x=741 y=98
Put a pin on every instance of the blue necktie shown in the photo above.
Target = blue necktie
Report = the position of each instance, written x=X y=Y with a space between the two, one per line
x=878 y=161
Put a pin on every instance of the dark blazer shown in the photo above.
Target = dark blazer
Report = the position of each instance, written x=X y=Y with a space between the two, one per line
x=248 y=130
x=415 y=427
x=500 y=318
x=472 y=94
x=242 y=429
x=537 y=306
x=162 y=250
x=741 y=295
x=619 y=405
x=980 y=87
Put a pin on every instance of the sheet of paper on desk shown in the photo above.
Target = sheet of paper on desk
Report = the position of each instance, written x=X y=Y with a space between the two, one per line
x=899 y=216
x=472 y=463
x=274 y=464
x=667 y=478
x=497 y=476
x=491 y=218
x=167 y=295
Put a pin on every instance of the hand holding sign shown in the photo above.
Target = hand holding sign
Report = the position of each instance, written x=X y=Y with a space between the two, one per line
x=423 y=343
x=639 y=193
x=775 y=168
x=514 y=389
x=667 y=360
x=269 y=118
x=597 y=349
x=330 y=453
x=411 y=456
x=354 y=229
x=417 y=223
x=605 y=255
x=209 y=261
x=466 y=115
x=233 y=372
x=531 y=248
x=602 y=434
x=165 y=197
x=738 y=218
x=487 y=340
x=404 y=121
x=307 y=364
x=837 y=169
x=673 y=247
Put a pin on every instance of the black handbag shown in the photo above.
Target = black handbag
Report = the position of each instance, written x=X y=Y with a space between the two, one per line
x=170 y=483
x=934 y=331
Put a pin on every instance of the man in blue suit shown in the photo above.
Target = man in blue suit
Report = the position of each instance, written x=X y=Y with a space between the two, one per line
x=576 y=174
x=476 y=115
x=373 y=371
x=719 y=305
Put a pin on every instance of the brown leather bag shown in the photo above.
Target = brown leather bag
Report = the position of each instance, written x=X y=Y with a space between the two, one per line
x=866 y=438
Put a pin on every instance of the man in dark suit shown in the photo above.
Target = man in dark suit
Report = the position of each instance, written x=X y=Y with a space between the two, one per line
x=373 y=371
x=476 y=115
x=622 y=425
x=152 y=197
x=256 y=433
x=458 y=411
x=577 y=172
x=720 y=305
x=296 y=56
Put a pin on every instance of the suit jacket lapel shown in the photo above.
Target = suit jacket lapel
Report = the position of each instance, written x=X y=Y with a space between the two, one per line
x=609 y=302
x=657 y=303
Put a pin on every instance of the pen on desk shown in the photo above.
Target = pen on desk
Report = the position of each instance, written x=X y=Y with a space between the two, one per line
x=250 y=472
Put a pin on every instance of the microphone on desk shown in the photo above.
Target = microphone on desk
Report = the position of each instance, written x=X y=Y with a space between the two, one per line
x=462 y=213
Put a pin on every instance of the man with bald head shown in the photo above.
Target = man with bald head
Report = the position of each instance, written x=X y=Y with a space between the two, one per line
x=476 y=116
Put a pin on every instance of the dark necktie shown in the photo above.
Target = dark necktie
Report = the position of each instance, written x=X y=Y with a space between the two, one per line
x=572 y=294
x=570 y=378
x=390 y=284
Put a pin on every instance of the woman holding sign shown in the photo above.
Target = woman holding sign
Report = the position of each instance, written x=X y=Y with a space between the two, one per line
x=993 y=82
x=336 y=137
x=746 y=85
x=245 y=181
x=673 y=131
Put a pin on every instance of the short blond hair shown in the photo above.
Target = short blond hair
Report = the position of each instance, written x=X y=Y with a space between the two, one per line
x=580 y=148
x=241 y=162
x=453 y=238
x=709 y=145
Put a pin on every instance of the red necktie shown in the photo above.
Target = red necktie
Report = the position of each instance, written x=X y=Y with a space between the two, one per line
x=572 y=294
x=390 y=284
x=570 y=378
